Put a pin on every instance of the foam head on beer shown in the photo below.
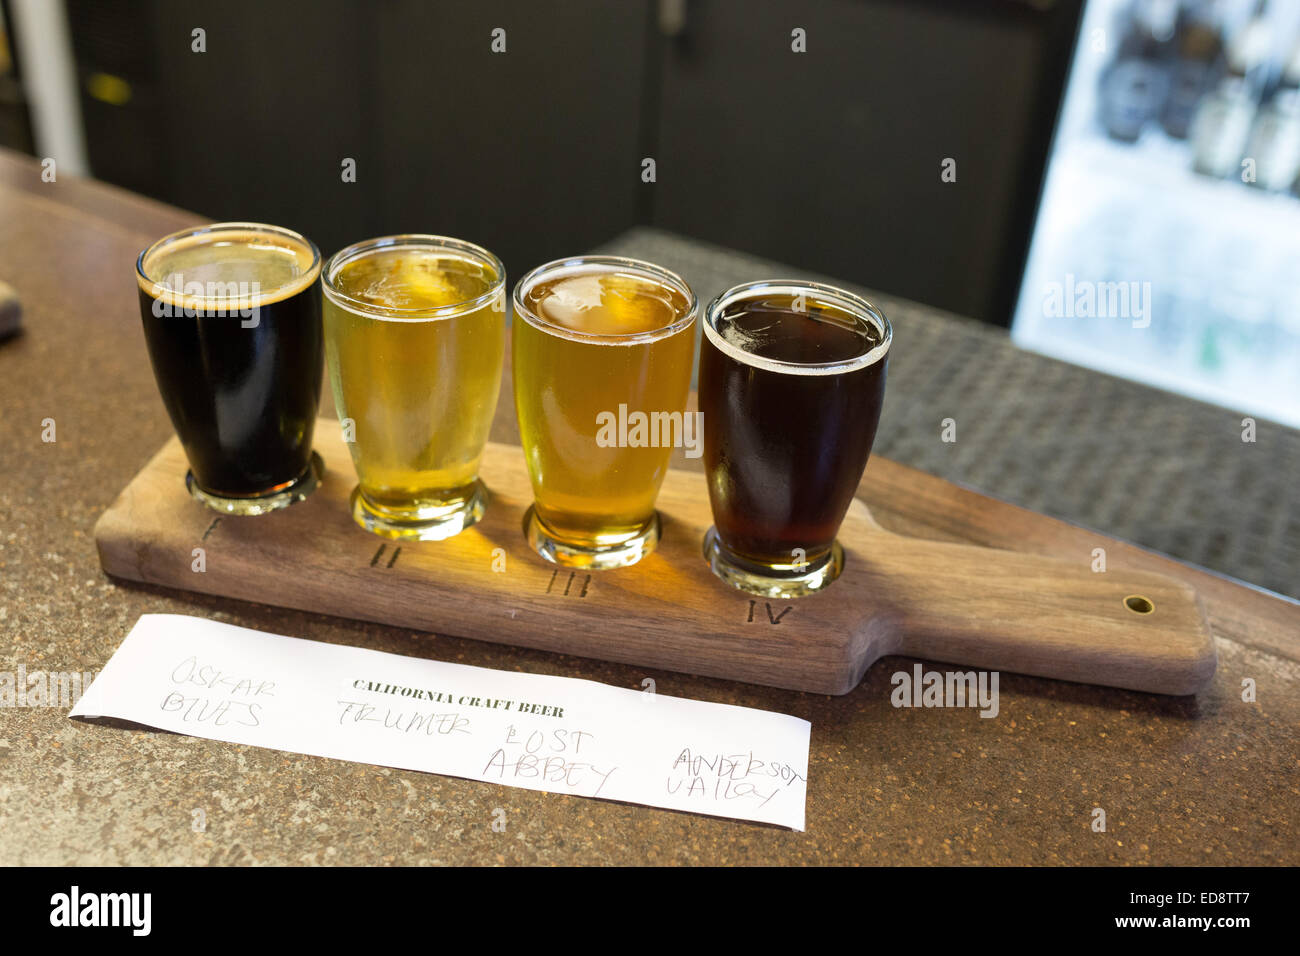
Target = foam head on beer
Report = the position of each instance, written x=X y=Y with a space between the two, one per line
x=792 y=380
x=231 y=316
x=598 y=339
x=606 y=302
x=415 y=336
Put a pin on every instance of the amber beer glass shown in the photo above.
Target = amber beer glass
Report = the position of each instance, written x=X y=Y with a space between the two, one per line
x=232 y=322
x=599 y=342
x=415 y=335
x=792 y=377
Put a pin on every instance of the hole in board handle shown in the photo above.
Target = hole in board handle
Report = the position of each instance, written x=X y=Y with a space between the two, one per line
x=1139 y=604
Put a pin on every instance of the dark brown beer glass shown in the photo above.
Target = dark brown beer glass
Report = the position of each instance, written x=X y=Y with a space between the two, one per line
x=792 y=378
x=232 y=321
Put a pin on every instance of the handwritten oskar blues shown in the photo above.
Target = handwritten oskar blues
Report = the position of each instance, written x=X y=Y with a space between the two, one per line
x=638 y=429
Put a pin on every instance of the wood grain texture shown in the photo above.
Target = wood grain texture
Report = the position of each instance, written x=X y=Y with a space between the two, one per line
x=887 y=786
x=914 y=503
x=977 y=607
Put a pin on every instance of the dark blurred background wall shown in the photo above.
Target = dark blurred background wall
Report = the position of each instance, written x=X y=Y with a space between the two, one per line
x=829 y=160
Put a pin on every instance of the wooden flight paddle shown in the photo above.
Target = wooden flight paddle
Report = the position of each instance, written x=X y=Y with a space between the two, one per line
x=978 y=607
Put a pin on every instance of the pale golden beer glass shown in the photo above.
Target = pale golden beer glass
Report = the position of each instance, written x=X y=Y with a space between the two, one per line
x=599 y=341
x=415 y=337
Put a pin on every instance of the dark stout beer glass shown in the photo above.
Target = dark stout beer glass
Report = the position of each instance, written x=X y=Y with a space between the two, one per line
x=232 y=321
x=792 y=377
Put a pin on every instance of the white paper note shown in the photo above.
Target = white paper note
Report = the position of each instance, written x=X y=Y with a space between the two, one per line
x=207 y=679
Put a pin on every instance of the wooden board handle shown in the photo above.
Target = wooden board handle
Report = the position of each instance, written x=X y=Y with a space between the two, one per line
x=1003 y=610
x=975 y=606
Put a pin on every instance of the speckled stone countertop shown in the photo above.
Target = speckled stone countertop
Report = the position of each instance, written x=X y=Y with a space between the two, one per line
x=1211 y=779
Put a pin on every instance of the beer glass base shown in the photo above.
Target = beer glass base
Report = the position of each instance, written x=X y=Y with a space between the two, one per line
x=745 y=577
x=281 y=497
x=428 y=524
x=606 y=557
